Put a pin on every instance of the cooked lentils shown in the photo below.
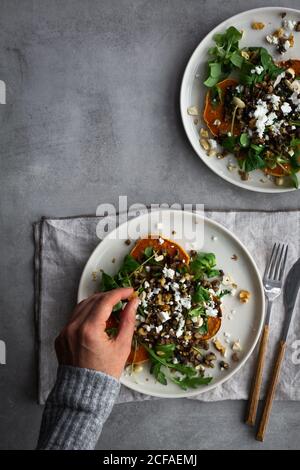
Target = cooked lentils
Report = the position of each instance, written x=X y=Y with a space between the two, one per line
x=161 y=296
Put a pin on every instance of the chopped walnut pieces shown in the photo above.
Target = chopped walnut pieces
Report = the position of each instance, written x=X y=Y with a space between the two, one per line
x=236 y=346
x=244 y=296
x=219 y=346
x=258 y=25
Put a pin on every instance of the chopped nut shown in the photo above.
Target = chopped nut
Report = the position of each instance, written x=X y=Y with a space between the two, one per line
x=142 y=332
x=204 y=143
x=245 y=55
x=236 y=346
x=204 y=133
x=244 y=296
x=159 y=258
x=279 y=33
x=279 y=181
x=224 y=365
x=219 y=346
x=94 y=275
x=212 y=153
x=193 y=111
x=258 y=25
x=291 y=40
x=137 y=368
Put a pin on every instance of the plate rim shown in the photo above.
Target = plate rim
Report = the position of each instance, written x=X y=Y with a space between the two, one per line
x=185 y=394
x=184 y=114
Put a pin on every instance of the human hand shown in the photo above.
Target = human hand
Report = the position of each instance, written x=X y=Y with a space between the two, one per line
x=84 y=343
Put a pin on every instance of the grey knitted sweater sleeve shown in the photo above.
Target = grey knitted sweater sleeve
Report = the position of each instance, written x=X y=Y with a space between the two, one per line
x=77 y=408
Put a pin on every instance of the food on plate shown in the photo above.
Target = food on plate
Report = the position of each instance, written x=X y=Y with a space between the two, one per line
x=252 y=108
x=180 y=309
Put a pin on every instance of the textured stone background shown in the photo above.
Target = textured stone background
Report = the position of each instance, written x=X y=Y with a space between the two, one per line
x=92 y=112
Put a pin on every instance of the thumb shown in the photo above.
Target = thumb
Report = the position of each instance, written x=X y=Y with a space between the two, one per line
x=127 y=323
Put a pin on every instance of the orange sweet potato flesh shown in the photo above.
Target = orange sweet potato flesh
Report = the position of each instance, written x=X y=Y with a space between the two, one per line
x=212 y=113
x=169 y=246
x=213 y=326
x=139 y=354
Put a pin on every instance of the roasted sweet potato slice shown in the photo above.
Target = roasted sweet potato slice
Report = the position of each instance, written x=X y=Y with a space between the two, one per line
x=213 y=324
x=292 y=63
x=169 y=246
x=214 y=113
x=278 y=170
x=137 y=355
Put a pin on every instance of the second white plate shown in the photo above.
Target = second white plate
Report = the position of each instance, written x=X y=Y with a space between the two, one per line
x=193 y=91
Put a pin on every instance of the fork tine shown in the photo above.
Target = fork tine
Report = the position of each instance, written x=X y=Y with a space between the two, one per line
x=278 y=262
x=281 y=272
x=274 y=262
x=267 y=270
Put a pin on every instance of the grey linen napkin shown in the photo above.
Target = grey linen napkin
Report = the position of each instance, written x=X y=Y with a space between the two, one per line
x=63 y=246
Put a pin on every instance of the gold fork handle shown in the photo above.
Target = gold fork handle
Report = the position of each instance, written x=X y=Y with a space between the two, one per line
x=257 y=379
x=271 y=392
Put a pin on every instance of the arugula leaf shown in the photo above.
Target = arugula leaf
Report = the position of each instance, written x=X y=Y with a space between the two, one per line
x=253 y=161
x=200 y=294
x=166 y=349
x=196 y=312
x=158 y=374
x=130 y=264
x=224 y=292
x=107 y=283
x=203 y=263
x=229 y=142
x=192 y=382
x=236 y=59
x=295 y=180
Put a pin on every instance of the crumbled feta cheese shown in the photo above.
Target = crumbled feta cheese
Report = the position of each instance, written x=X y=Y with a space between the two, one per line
x=286 y=108
x=217 y=122
x=180 y=328
x=147 y=269
x=260 y=115
x=159 y=258
x=289 y=24
x=161 y=241
x=164 y=316
x=146 y=284
x=158 y=328
x=272 y=39
x=275 y=100
x=258 y=70
x=278 y=79
x=186 y=302
x=168 y=272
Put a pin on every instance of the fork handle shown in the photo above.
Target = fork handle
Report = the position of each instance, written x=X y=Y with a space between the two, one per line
x=257 y=379
x=271 y=392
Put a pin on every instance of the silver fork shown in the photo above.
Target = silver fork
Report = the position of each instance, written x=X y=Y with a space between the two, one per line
x=272 y=281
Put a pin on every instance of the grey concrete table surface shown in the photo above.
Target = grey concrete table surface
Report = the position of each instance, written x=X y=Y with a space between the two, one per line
x=92 y=113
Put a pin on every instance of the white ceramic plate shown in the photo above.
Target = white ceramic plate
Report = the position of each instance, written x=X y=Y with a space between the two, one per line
x=245 y=324
x=193 y=91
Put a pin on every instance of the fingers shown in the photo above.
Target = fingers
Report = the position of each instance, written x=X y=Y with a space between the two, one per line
x=127 y=323
x=84 y=307
x=102 y=308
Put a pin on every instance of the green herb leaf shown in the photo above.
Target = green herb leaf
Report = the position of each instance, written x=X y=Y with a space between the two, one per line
x=129 y=265
x=196 y=312
x=148 y=251
x=192 y=382
x=200 y=294
x=244 y=140
x=107 y=283
x=295 y=180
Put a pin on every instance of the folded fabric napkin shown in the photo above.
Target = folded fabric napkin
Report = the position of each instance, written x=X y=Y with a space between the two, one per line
x=62 y=247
